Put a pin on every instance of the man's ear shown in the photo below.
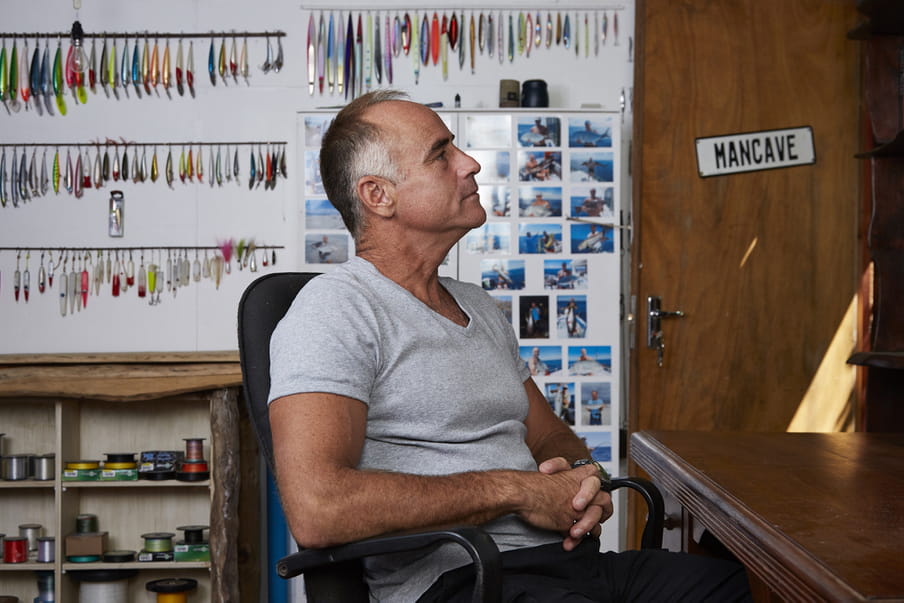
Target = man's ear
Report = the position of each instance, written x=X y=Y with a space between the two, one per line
x=376 y=194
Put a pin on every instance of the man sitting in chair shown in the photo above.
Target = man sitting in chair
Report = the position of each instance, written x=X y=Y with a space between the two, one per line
x=399 y=401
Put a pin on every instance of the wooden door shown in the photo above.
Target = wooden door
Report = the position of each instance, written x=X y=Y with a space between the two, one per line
x=763 y=263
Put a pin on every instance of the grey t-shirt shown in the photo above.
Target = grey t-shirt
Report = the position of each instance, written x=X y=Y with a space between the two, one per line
x=441 y=398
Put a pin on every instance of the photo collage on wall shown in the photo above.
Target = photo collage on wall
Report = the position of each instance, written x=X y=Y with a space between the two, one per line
x=549 y=254
x=326 y=240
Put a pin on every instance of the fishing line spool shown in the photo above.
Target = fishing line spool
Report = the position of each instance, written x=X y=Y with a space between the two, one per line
x=172 y=590
x=45 y=467
x=15 y=549
x=158 y=465
x=45 y=587
x=103 y=586
x=86 y=523
x=193 y=468
x=31 y=532
x=158 y=546
x=16 y=467
x=46 y=549
x=193 y=546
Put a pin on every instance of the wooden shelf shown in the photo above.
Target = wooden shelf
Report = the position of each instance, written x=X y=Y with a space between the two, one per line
x=81 y=406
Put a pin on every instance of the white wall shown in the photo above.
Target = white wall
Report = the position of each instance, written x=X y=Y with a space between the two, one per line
x=201 y=317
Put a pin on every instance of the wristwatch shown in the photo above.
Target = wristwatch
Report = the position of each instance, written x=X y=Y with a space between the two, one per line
x=605 y=478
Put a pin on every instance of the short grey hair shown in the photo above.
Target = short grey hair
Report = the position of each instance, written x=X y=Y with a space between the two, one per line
x=353 y=148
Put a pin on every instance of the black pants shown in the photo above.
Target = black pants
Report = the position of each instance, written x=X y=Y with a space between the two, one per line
x=548 y=574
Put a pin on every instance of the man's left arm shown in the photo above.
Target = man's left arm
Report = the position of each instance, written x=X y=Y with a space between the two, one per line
x=555 y=447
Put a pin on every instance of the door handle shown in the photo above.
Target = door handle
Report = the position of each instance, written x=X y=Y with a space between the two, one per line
x=655 y=314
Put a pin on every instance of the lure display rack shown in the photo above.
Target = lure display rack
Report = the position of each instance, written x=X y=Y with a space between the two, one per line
x=39 y=82
x=29 y=177
x=351 y=51
x=87 y=271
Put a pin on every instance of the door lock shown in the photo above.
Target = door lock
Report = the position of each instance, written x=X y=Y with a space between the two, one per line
x=655 y=314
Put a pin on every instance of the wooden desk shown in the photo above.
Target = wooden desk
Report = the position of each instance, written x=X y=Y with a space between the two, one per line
x=814 y=516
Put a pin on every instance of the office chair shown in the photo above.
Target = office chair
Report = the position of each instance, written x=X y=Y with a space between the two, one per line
x=335 y=573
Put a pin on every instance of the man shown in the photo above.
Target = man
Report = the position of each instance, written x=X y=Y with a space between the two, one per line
x=399 y=401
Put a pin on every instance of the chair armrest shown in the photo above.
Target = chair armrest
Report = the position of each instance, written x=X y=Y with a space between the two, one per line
x=481 y=548
x=652 y=531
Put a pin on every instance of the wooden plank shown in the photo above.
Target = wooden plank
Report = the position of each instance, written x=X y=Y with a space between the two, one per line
x=224 y=511
x=114 y=381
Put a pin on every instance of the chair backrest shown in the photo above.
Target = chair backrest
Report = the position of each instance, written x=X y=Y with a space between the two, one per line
x=262 y=306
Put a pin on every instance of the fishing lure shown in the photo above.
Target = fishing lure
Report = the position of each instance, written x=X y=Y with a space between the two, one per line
x=252 y=173
x=359 y=59
x=424 y=40
x=233 y=62
x=387 y=57
x=166 y=73
x=146 y=67
x=34 y=80
x=98 y=169
x=331 y=56
x=190 y=69
x=243 y=61
x=3 y=178
x=14 y=181
x=278 y=63
x=13 y=87
x=472 y=42
x=124 y=167
x=154 y=171
x=42 y=275
x=77 y=176
x=434 y=38
x=311 y=53
x=169 y=168
x=179 y=67
x=136 y=69
x=216 y=172
x=4 y=76
x=56 y=172
x=199 y=169
x=491 y=36
x=529 y=34
x=92 y=68
x=211 y=64
x=349 y=68
x=154 y=69
x=378 y=53
x=221 y=63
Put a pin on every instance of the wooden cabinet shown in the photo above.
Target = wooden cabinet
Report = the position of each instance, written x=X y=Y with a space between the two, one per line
x=84 y=407
x=882 y=346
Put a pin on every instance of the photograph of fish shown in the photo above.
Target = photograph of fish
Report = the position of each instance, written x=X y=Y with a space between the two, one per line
x=502 y=274
x=539 y=131
x=565 y=274
x=596 y=403
x=600 y=445
x=571 y=316
x=560 y=397
x=543 y=166
x=590 y=360
x=534 y=311
x=590 y=132
x=542 y=360
x=544 y=237
x=592 y=238
x=326 y=248
x=540 y=201
x=592 y=202
x=591 y=166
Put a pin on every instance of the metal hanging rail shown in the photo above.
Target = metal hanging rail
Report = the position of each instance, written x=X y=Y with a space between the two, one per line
x=149 y=34
x=110 y=143
x=131 y=248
